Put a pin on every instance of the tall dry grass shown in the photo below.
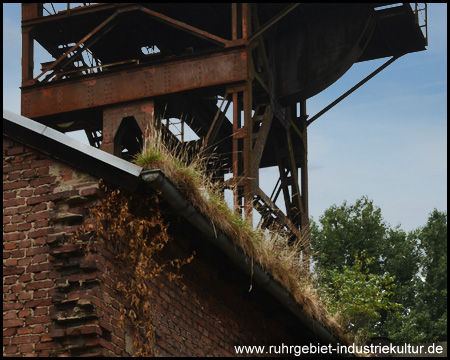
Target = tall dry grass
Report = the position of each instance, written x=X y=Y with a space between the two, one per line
x=267 y=248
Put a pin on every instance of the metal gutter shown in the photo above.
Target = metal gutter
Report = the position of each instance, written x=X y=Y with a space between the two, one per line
x=158 y=181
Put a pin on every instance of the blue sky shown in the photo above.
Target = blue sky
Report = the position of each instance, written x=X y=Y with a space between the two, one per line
x=387 y=140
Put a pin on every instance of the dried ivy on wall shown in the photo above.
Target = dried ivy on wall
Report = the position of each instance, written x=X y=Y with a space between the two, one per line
x=134 y=229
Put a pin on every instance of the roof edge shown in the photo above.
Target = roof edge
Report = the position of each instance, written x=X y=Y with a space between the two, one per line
x=157 y=180
x=64 y=148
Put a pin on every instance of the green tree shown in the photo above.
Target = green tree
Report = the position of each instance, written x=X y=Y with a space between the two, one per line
x=426 y=317
x=417 y=261
x=359 y=296
x=432 y=286
x=347 y=230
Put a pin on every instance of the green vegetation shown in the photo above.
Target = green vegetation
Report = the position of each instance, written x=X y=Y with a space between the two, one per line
x=268 y=249
x=383 y=281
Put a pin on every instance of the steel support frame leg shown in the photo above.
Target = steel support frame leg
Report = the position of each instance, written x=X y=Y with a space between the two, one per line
x=242 y=151
x=142 y=111
x=294 y=185
x=304 y=218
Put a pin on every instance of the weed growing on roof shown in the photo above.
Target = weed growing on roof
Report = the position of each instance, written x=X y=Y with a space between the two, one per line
x=267 y=248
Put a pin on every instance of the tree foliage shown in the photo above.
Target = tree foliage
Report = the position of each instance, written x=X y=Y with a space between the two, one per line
x=357 y=252
x=358 y=295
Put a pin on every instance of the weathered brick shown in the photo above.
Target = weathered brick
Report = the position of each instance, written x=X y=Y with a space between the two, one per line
x=13 y=271
x=15 y=150
x=13 y=202
x=14 y=176
x=41 y=276
x=10 y=211
x=12 y=323
x=11 y=349
x=38 y=329
x=42 y=163
x=40 y=241
x=43 y=171
x=38 y=233
x=45 y=338
x=31 y=173
x=37 y=199
x=9 y=195
x=25 y=340
x=24 y=227
x=38 y=320
x=10 y=315
x=17 y=165
x=38 y=267
x=10 y=331
x=23 y=209
x=39 y=285
x=25 y=295
x=39 y=207
x=26 y=348
x=10 y=228
x=15 y=185
x=24 y=313
x=13 y=305
x=43 y=310
x=13 y=236
x=37 y=259
x=9 y=262
x=84 y=330
x=25 y=278
x=24 y=244
x=58 y=333
x=26 y=193
x=40 y=302
x=41 y=190
x=9 y=245
x=38 y=216
x=48 y=346
x=19 y=253
x=24 y=262
x=8 y=280
x=17 y=219
x=40 y=224
x=37 y=250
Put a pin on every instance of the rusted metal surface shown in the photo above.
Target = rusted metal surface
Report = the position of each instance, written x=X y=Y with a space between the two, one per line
x=113 y=87
x=120 y=66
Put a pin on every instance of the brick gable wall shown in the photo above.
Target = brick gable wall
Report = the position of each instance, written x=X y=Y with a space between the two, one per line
x=59 y=301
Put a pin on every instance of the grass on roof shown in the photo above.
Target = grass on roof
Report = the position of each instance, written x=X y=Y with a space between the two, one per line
x=268 y=249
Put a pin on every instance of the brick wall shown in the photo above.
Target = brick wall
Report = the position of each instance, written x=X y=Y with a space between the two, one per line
x=214 y=313
x=46 y=280
x=59 y=301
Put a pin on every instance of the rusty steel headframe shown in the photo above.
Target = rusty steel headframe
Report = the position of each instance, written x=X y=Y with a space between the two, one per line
x=119 y=66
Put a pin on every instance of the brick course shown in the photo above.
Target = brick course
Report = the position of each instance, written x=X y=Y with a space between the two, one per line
x=59 y=301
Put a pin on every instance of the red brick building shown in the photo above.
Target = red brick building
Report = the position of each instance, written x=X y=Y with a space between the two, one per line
x=59 y=301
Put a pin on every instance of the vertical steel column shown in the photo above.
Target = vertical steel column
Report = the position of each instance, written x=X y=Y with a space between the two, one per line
x=242 y=121
x=27 y=57
x=248 y=119
x=235 y=155
x=304 y=221
x=29 y=11
x=247 y=151
x=234 y=21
